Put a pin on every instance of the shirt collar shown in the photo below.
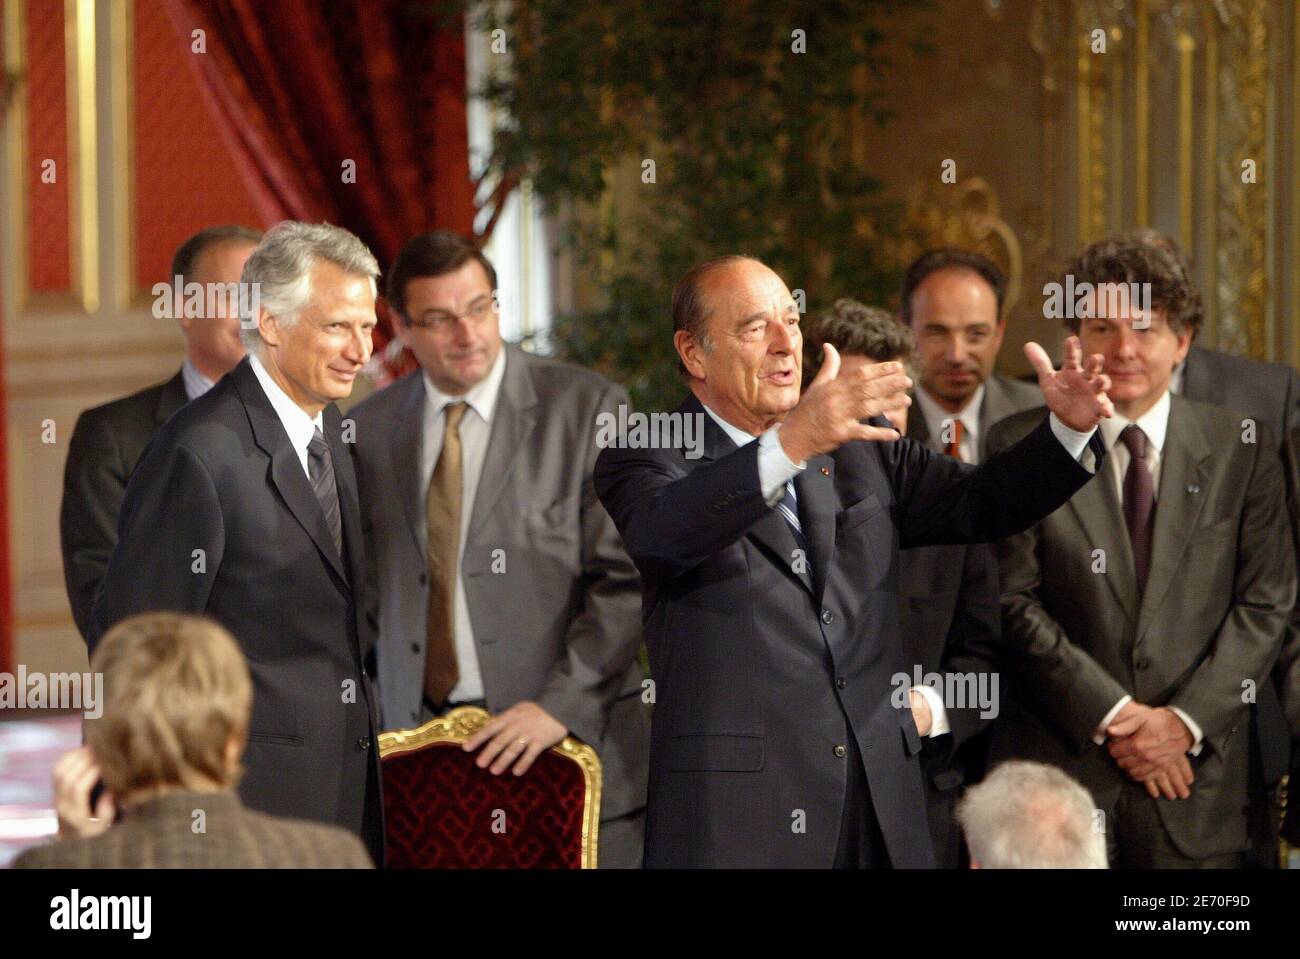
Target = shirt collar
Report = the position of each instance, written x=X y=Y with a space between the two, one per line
x=737 y=435
x=300 y=427
x=481 y=397
x=1154 y=423
x=935 y=414
x=196 y=384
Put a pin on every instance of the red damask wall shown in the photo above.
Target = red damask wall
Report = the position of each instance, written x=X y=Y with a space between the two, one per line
x=185 y=178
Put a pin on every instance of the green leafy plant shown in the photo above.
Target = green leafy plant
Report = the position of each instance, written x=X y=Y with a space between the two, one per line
x=684 y=131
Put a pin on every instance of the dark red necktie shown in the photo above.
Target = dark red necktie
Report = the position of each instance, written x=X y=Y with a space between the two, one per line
x=1139 y=502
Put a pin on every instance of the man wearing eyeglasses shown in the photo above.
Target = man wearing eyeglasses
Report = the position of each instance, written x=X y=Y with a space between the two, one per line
x=501 y=580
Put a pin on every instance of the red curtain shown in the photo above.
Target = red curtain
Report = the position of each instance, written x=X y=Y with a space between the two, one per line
x=6 y=577
x=349 y=111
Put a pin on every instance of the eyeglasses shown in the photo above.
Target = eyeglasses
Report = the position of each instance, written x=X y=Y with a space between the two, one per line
x=445 y=319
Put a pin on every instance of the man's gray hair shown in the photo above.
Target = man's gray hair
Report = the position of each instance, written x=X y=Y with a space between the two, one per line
x=281 y=268
x=1031 y=816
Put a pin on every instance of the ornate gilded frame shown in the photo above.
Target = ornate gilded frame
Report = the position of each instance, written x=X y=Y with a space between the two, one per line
x=464 y=721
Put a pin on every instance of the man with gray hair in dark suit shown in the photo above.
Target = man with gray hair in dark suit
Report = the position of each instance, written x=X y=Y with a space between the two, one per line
x=244 y=509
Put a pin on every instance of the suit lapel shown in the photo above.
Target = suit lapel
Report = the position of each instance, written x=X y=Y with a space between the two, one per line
x=771 y=533
x=512 y=421
x=408 y=443
x=995 y=406
x=1183 y=475
x=1097 y=508
x=287 y=475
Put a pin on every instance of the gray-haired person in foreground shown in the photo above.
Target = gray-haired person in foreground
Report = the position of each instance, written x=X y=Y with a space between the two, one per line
x=244 y=509
x=1031 y=816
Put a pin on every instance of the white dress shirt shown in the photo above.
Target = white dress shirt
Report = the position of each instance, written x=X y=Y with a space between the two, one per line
x=300 y=427
x=196 y=384
x=475 y=428
x=1155 y=424
x=936 y=417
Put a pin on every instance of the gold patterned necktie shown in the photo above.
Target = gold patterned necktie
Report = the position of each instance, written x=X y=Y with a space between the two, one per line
x=442 y=512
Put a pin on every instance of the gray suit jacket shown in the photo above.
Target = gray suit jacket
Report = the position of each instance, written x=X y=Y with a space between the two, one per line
x=560 y=623
x=1217 y=600
x=1002 y=397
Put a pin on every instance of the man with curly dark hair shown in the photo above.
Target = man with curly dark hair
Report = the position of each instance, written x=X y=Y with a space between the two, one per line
x=1141 y=619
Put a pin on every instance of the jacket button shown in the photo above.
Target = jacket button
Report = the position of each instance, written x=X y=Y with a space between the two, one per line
x=424 y=579
x=841 y=683
x=363 y=743
x=415 y=647
x=841 y=752
x=1144 y=663
x=828 y=617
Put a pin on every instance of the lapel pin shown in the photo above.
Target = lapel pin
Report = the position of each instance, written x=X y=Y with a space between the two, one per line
x=826 y=471
x=1193 y=488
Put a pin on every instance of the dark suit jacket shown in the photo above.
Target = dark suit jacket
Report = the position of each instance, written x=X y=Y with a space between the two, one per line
x=950 y=611
x=559 y=622
x=160 y=834
x=951 y=619
x=1269 y=392
x=762 y=670
x=222 y=477
x=1212 y=616
x=1002 y=397
x=106 y=444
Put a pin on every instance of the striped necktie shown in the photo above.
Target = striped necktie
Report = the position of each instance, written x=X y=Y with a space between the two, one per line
x=789 y=508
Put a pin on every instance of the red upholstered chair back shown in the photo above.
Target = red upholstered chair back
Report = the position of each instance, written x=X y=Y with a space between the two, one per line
x=443 y=812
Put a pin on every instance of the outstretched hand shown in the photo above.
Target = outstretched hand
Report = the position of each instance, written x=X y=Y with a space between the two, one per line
x=831 y=410
x=1076 y=392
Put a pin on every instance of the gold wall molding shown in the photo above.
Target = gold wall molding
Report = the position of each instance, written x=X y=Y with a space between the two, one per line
x=83 y=150
x=968 y=215
x=1228 y=76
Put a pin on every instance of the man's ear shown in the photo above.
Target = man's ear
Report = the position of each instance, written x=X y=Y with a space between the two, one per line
x=689 y=350
x=269 y=327
x=401 y=329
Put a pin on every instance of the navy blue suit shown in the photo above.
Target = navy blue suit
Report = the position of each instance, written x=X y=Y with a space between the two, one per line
x=768 y=672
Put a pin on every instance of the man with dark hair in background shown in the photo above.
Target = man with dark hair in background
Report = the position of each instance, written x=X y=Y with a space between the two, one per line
x=108 y=440
x=501 y=580
x=1141 y=617
x=953 y=301
x=948 y=609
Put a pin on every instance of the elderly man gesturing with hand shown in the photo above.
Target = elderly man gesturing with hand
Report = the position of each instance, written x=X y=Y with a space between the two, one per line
x=782 y=735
